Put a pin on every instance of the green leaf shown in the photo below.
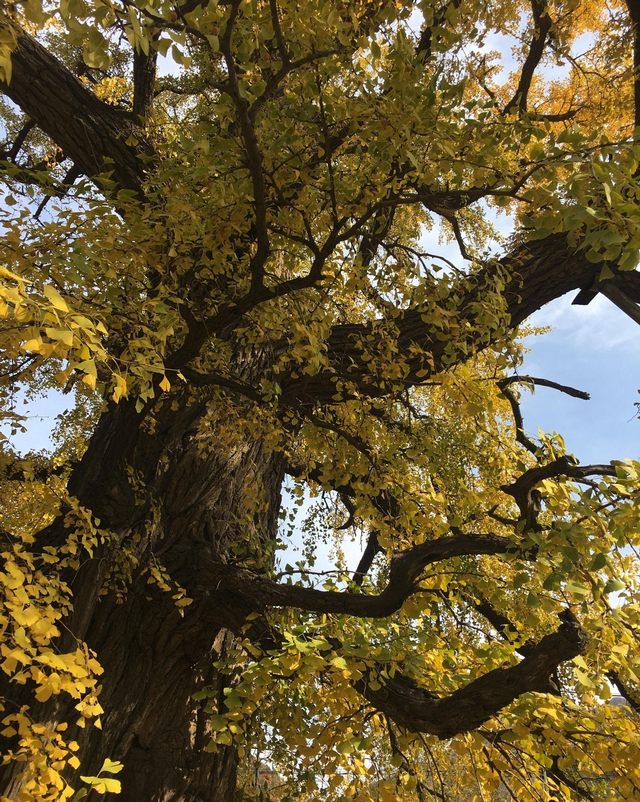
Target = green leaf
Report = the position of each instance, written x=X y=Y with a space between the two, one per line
x=219 y=723
x=629 y=260
x=574 y=587
x=533 y=600
x=520 y=579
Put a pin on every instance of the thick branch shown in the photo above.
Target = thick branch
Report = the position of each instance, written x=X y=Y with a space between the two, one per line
x=406 y=568
x=542 y=22
x=18 y=142
x=424 y=49
x=468 y=708
x=540 y=272
x=632 y=698
x=633 y=7
x=528 y=498
x=91 y=133
x=144 y=81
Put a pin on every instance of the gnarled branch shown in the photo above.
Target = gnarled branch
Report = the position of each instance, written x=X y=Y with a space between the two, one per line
x=405 y=571
x=469 y=707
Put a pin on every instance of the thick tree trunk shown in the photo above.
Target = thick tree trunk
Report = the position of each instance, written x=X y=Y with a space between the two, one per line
x=154 y=659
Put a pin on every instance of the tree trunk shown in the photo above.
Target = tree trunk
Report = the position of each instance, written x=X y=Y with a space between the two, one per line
x=197 y=504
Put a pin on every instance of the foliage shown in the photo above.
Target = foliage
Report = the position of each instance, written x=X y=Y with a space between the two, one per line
x=247 y=260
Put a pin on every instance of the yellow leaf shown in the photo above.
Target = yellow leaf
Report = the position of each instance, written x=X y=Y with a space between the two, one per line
x=54 y=297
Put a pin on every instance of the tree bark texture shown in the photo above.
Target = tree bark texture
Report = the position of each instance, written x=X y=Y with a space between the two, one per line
x=90 y=132
x=154 y=659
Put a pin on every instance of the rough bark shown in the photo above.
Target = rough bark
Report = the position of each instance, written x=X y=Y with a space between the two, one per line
x=90 y=132
x=153 y=658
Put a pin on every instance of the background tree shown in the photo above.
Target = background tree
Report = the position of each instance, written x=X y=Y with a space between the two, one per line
x=225 y=265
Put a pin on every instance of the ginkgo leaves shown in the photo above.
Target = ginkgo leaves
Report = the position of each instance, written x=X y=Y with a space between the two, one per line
x=260 y=294
x=598 y=202
x=50 y=315
x=33 y=604
x=100 y=783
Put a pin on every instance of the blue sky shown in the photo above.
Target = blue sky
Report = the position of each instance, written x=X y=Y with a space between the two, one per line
x=594 y=348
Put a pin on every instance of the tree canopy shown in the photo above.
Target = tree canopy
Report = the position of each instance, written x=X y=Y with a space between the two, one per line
x=223 y=238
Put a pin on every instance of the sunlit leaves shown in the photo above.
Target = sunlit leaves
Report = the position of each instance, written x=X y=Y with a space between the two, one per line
x=298 y=136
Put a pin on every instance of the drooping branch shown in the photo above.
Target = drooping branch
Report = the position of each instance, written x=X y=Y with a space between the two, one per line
x=521 y=436
x=469 y=707
x=371 y=551
x=90 y=132
x=404 y=573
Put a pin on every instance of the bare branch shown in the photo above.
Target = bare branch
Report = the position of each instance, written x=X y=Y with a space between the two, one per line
x=563 y=388
x=18 y=142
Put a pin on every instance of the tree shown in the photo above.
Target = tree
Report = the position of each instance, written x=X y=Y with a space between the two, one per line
x=224 y=262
